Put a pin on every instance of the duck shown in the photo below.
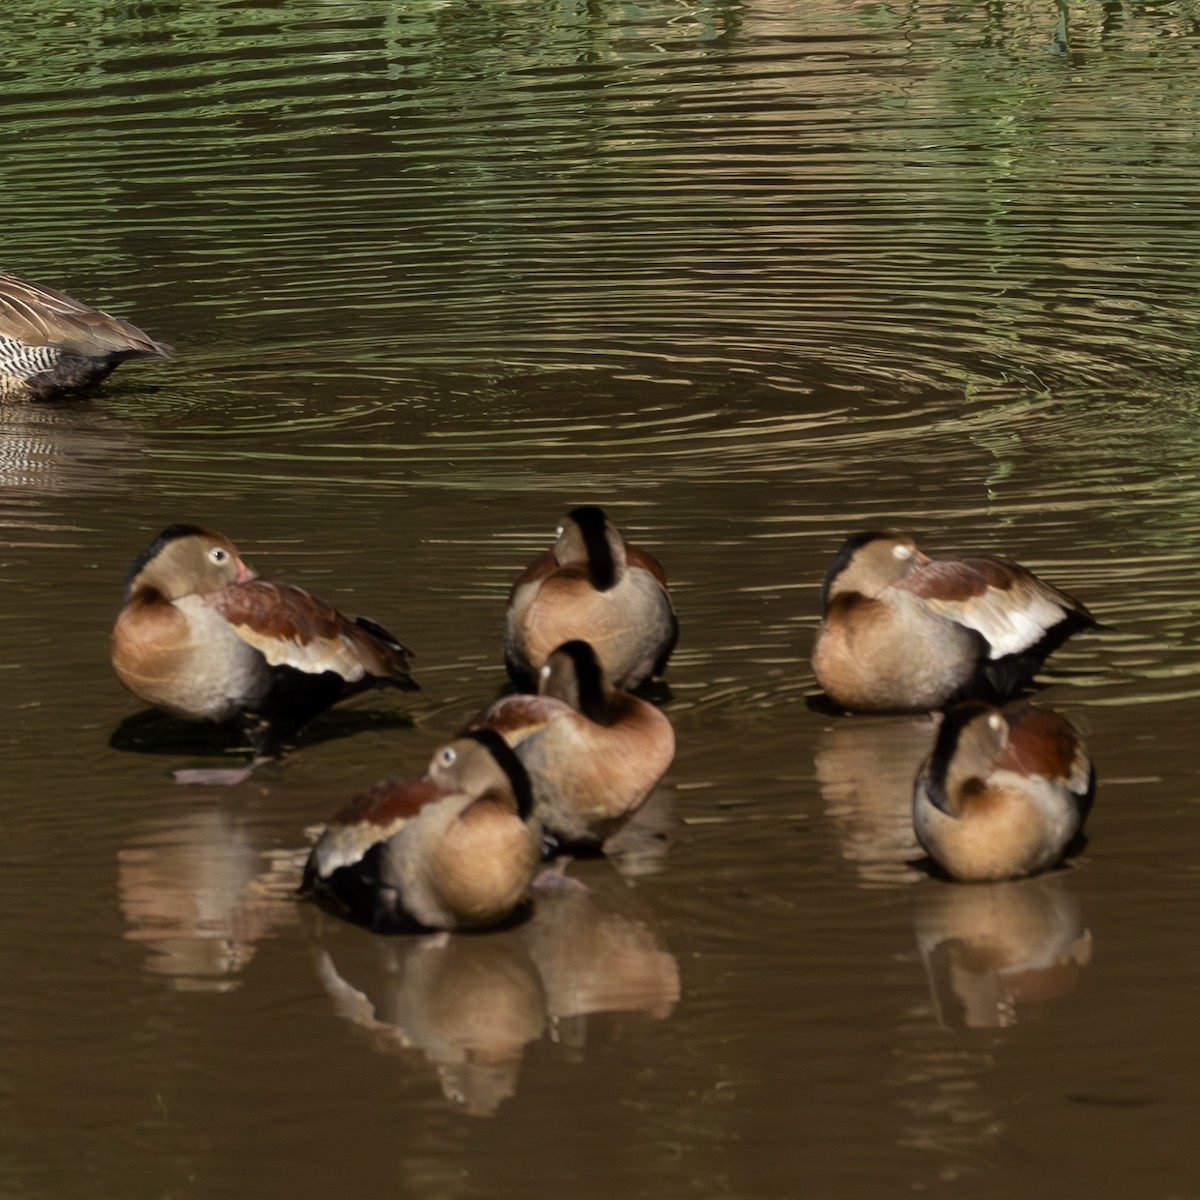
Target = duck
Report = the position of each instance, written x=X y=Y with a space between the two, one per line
x=593 y=752
x=902 y=632
x=457 y=848
x=51 y=344
x=202 y=638
x=594 y=586
x=1003 y=794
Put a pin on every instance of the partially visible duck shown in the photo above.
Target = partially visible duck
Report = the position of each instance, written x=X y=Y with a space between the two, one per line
x=50 y=344
x=203 y=638
x=455 y=849
x=594 y=586
x=593 y=753
x=904 y=632
x=1003 y=794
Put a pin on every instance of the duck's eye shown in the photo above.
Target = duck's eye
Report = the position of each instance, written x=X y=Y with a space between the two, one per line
x=546 y=671
x=218 y=555
x=902 y=551
x=447 y=755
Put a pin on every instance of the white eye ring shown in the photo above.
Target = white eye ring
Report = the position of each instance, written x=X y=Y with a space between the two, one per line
x=217 y=554
x=996 y=721
x=546 y=671
x=902 y=551
x=447 y=756
x=558 y=531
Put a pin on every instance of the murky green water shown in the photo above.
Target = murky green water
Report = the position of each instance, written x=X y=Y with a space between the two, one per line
x=752 y=276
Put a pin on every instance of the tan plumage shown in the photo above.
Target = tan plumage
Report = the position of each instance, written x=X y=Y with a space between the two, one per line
x=455 y=849
x=50 y=343
x=591 y=586
x=202 y=638
x=1003 y=794
x=901 y=631
x=594 y=754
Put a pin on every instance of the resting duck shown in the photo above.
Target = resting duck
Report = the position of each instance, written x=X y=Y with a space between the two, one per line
x=51 y=344
x=593 y=754
x=591 y=585
x=455 y=849
x=203 y=638
x=1003 y=794
x=904 y=632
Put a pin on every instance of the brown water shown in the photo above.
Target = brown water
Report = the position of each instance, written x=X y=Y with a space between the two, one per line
x=752 y=276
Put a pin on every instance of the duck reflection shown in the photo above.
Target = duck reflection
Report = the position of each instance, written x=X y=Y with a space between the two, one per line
x=200 y=895
x=597 y=952
x=994 y=952
x=470 y=1004
x=865 y=767
x=151 y=732
x=639 y=846
x=62 y=448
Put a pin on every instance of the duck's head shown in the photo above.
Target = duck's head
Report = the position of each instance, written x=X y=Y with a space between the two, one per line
x=186 y=560
x=970 y=739
x=869 y=562
x=588 y=538
x=573 y=674
x=481 y=762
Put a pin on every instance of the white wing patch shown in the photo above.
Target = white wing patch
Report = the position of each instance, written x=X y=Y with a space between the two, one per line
x=314 y=657
x=344 y=845
x=1081 y=773
x=1009 y=624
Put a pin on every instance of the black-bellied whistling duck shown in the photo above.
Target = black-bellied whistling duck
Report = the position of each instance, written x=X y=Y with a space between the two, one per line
x=51 y=344
x=904 y=632
x=455 y=849
x=592 y=586
x=1003 y=794
x=593 y=753
x=203 y=638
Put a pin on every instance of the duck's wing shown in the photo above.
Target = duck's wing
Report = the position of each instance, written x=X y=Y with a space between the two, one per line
x=370 y=818
x=516 y=718
x=635 y=556
x=293 y=628
x=1009 y=606
x=534 y=573
x=40 y=316
x=1043 y=743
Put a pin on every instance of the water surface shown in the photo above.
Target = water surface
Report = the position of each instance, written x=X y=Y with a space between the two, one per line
x=752 y=276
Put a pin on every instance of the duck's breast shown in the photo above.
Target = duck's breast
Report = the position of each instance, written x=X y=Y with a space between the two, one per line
x=184 y=659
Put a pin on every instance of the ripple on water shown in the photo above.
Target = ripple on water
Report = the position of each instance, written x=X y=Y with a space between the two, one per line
x=753 y=278
x=716 y=191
